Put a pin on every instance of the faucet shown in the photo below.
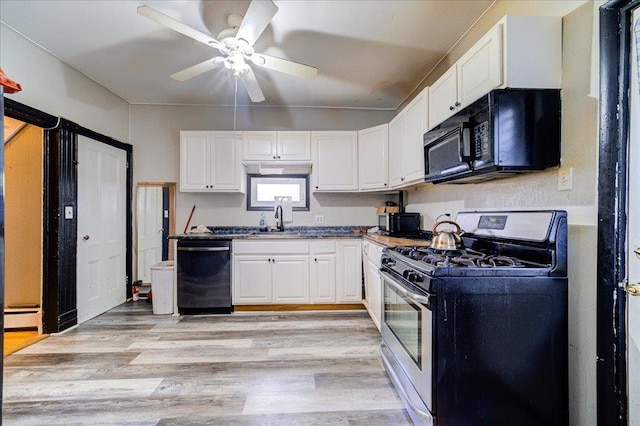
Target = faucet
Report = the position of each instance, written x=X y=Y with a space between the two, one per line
x=280 y=220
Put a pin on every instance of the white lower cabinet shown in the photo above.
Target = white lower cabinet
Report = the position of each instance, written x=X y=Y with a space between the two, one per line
x=372 y=256
x=297 y=272
x=323 y=271
x=251 y=280
x=349 y=271
x=290 y=278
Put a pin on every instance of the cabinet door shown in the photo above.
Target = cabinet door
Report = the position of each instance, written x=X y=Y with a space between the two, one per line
x=259 y=146
x=396 y=142
x=349 y=271
x=373 y=157
x=374 y=292
x=335 y=161
x=480 y=69
x=226 y=165
x=290 y=275
x=251 y=280
x=295 y=146
x=443 y=97
x=323 y=278
x=412 y=147
x=194 y=161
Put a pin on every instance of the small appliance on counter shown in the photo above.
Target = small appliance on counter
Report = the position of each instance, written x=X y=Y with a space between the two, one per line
x=400 y=224
x=395 y=222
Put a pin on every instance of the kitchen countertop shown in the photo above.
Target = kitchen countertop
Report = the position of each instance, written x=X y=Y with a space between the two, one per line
x=252 y=233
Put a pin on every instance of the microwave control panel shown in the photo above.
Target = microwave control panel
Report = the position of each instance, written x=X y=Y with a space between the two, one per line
x=481 y=140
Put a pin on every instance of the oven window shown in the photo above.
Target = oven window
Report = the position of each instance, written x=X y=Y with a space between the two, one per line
x=404 y=319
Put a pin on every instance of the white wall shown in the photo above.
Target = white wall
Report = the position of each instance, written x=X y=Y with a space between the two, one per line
x=156 y=156
x=57 y=89
x=539 y=191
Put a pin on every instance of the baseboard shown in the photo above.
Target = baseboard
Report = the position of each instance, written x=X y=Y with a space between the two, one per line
x=307 y=307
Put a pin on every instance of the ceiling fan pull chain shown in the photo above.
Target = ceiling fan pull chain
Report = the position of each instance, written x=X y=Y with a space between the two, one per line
x=235 y=103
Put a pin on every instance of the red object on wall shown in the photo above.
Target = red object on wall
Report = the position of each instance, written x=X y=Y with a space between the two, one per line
x=9 y=85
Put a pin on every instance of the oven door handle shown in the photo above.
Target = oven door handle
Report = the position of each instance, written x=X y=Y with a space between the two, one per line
x=418 y=298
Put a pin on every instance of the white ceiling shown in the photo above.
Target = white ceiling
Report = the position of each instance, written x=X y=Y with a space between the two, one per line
x=370 y=54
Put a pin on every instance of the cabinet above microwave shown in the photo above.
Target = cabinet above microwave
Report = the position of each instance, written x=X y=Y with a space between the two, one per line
x=506 y=132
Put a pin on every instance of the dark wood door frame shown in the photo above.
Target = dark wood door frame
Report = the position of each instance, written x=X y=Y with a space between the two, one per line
x=60 y=191
x=611 y=364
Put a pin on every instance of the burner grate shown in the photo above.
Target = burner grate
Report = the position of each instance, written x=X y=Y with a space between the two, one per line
x=462 y=258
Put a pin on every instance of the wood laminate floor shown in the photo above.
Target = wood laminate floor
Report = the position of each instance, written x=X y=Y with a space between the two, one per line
x=129 y=366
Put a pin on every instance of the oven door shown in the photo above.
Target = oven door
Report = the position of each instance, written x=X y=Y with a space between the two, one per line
x=406 y=329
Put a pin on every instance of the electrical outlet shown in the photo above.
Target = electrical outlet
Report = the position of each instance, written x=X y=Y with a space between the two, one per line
x=565 y=178
x=319 y=219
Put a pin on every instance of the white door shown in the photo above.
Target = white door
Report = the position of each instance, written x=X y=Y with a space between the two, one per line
x=149 y=225
x=101 y=213
x=633 y=307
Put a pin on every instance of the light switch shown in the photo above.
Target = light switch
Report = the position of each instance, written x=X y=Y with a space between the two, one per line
x=166 y=214
x=68 y=212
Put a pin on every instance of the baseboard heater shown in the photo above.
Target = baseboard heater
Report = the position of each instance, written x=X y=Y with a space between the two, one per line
x=23 y=316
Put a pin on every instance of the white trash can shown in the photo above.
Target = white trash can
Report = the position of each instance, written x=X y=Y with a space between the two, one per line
x=162 y=287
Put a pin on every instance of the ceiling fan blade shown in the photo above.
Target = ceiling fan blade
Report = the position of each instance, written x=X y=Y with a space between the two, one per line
x=256 y=20
x=167 y=21
x=198 y=69
x=250 y=83
x=285 y=66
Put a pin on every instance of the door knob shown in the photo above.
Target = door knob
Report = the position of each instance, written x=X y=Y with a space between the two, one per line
x=633 y=289
x=86 y=237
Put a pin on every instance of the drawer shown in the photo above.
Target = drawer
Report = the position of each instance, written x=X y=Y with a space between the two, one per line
x=270 y=247
x=326 y=246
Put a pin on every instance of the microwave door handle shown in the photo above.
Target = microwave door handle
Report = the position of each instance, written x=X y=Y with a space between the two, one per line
x=465 y=143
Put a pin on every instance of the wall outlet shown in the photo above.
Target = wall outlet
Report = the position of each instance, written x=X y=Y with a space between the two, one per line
x=565 y=178
x=319 y=219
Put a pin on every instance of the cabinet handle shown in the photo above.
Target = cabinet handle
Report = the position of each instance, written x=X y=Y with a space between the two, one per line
x=315 y=260
x=385 y=184
x=316 y=187
x=451 y=108
x=278 y=157
x=402 y=178
x=457 y=104
x=274 y=157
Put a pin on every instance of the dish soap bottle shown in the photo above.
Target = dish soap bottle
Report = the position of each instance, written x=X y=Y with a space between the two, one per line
x=263 y=223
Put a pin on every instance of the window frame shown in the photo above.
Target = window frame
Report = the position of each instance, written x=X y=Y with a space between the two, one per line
x=306 y=187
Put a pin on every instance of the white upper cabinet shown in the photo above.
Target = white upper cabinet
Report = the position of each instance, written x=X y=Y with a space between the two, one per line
x=335 y=161
x=373 y=158
x=480 y=69
x=406 y=131
x=443 y=97
x=275 y=146
x=259 y=146
x=294 y=146
x=211 y=162
x=518 y=52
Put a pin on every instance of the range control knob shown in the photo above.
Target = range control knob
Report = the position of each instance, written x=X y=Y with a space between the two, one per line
x=388 y=262
x=414 y=277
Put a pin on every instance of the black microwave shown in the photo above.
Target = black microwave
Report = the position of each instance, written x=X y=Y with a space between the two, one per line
x=400 y=224
x=505 y=132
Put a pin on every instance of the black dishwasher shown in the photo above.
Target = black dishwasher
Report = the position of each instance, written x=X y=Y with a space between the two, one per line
x=204 y=276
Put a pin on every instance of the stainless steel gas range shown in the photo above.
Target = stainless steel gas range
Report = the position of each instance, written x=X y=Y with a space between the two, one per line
x=478 y=334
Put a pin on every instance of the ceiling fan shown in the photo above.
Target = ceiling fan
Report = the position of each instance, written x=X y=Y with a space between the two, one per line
x=236 y=47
